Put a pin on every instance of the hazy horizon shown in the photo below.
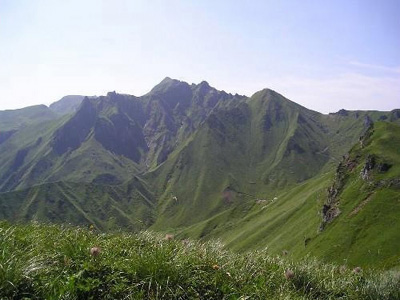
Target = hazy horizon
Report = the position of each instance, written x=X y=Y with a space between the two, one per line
x=324 y=56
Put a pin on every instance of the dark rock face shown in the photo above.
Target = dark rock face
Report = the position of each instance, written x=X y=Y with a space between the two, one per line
x=146 y=129
x=121 y=136
x=19 y=158
x=395 y=115
x=368 y=122
x=383 y=167
x=173 y=111
x=173 y=94
x=343 y=112
x=71 y=135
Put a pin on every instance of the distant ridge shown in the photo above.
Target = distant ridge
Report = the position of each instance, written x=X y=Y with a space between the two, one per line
x=67 y=104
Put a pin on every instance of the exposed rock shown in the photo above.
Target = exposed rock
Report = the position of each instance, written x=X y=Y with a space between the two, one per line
x=368 y=133
x=343 y=112
x=71 y=135
x=329 y=213
x=330 y=209
x=366 y=170
x=394 y=115
x=383 y=167
x=368 y=122
x=121 y=135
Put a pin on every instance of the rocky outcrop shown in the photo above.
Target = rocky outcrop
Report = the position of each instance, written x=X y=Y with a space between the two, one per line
x=330 y=209
x=367 y=168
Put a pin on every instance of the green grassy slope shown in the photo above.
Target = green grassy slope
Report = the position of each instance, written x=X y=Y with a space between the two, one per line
x=365 y=232
x=106 y=207
x=242 y=153
x=19 y=118
x=11 y=121
x=61 y=262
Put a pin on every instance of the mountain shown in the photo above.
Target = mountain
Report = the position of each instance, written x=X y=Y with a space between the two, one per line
x=189 y=159
x=106 y=207
x=250 y=151
x=20 y=118
x=348 y=215
x=12 y=121
x=67 y=104
x=112 y=137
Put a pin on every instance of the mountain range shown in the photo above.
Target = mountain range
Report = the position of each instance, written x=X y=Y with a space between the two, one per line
x=188 y=159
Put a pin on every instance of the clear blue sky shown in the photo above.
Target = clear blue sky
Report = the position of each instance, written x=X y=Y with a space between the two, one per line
x=325 y=55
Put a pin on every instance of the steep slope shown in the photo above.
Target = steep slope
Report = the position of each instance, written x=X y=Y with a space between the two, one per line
x=360 y=215
x=244 y=152
x=174 y=110
x=72 y=148
x=349 y=215
x=109 y=138
x=67 y=104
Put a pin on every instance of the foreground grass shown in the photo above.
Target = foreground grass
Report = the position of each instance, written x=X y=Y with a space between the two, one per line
x=54 y=262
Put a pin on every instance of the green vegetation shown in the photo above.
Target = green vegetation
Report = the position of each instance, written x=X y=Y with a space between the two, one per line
x=204 y=164
x=67 y=104
x=19 y=118
x=106 y=207
x=63 y=262
x=364 y=233
x=366 y=230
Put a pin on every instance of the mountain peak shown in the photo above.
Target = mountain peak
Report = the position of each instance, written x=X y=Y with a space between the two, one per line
x=204 y=84
x=266 y=92
x=66 y=104
x=167 y=79
x=168 y=83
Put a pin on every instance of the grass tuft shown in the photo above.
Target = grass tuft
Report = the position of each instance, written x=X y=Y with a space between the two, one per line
x=62 y=262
